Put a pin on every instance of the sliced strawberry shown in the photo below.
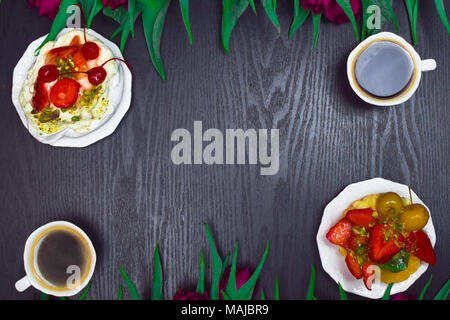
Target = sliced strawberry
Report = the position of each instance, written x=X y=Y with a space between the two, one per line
x=361 y=217
x=352 y=243
x=340 y=233
x=381 y=250
x=80 y=61
x=65 y=93
x=355 y=241
x=422 y=247
x=61 y=52
x=40 y=99
x=353 y=265
x=76 y=41
x=368 y=274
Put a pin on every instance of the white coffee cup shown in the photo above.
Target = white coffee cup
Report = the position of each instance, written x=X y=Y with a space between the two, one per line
x=34 y=277
x=419 y=66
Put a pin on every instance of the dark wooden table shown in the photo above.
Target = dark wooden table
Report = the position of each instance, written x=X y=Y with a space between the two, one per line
x=128 y=196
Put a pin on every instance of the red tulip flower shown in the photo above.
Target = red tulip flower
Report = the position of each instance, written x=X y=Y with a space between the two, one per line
x=316 y=6
x=242 y=276
x=48 y=8
x=190 y=295
x=334 y=12
x=114 y=4
x=400 y=296
x=332 y=9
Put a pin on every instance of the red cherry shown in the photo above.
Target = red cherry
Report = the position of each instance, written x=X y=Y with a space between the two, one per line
x=90 y=50
x=48 y=73
x=64 y=93
x=97 y=75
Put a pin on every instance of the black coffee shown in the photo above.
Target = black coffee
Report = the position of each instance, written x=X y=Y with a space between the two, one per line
x=384 y=69
x=59 y=250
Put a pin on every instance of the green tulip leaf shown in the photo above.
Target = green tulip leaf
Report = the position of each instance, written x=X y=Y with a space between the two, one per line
x=252 y=4
x=131 y=287
x=443 y=293
x=216 y=265
x=157 y=290
x=184 y=6
x=119 y=15
x=442 y=14
x=270 y=7
x=300 y=15
x=312 y=284
x=153 y=20
x=342 y=293
x=246 y=291
x=424 y=290
x=316 y=23
x=96 y=8
x=201 y=281
x=231 y=285
x=232 y=11
x=388 y=12
x=387 y=293
x=44 y=296
x=122 y=17
x=225 y=296
x=120 y=295
x=277 y=289
x=411 y=6
x=85 y=292
x=86 y=5
x=347 y=7
x=224 y=266
x=263 y=297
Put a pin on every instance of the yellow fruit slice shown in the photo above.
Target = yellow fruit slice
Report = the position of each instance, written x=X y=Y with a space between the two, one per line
x=396 y=277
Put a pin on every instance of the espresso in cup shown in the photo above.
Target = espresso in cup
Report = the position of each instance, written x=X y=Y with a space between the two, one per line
x=59 y=259
x=62 y=254
x=384 y=69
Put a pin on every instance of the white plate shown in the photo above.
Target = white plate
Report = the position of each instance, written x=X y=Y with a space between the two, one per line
x=334 y=263
x=119 y=99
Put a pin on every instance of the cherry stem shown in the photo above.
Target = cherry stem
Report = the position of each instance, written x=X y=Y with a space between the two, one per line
x=129 y=67
x=70 y=72
x=84 y=21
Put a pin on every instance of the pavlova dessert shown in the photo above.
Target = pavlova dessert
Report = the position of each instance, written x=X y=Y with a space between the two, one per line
x=68 y=86
x=75 y=92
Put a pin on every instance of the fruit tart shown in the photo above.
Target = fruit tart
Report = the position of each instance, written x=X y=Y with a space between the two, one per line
x=381 y=237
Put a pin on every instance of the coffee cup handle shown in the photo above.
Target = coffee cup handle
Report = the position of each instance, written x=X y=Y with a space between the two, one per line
x=23 y=284
x=428 y=65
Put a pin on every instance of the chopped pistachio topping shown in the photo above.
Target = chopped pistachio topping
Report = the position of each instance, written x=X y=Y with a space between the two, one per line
x=90 y=97
x=48 y=114
x=65 y=65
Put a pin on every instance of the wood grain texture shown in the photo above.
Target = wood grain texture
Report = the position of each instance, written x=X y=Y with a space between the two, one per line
x=128 y=196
